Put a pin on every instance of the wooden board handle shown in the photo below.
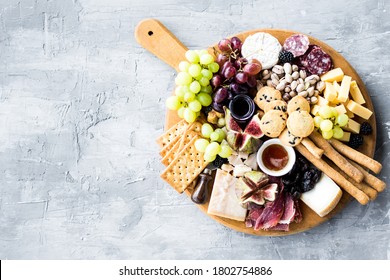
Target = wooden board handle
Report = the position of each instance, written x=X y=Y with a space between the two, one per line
x=156 y=38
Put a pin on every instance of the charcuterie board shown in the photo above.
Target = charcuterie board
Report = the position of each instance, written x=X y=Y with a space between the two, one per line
x=157 y=39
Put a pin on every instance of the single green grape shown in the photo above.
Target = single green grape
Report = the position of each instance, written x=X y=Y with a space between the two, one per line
x=221 y=134
x=207 y=74
x=201 y=145
x=195 y=87
x=204 y=99
x=317 y=121
x=213 y=67
x=183 y=78
x=189 y=115
x=204 y=81
x=325 y=112
x=209 y=157
x=189 y=96
x=327 y=134
x=213 y=148
x=338 y=133
x=173 y=102
x=206 y=89
x=225 y=152
x=214 y=136
x=192 y=56
x=206 y=59
x=335 y=113
x=195 y=106
x=342 y=120
x=184 y=65
x=326 y=125
x=194 y=70
x=206 y=130
x=180 y=112
x=221 y=122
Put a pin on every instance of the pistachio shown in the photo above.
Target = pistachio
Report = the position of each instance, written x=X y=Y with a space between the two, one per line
x=302 y=74
x=295 y=75
x=294 y=67
x=300 y=88
x=287 y=68
x=278 y=69
x=303 y=93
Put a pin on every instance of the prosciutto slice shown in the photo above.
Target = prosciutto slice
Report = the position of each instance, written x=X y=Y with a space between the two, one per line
x=289 y=210
x=271 y=215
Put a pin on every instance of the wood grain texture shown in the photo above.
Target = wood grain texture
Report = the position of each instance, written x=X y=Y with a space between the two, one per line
x=81 y=104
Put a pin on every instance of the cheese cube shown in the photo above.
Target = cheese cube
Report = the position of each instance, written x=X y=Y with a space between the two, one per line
x=341 y=109
x=336 y=86
x=346 y=137
x=314 y=110
x=330 y=93
x=356 y=94
x=359 y=110
x=344 y=89
x=322 y=101
x=333 y=75
x=352 y=126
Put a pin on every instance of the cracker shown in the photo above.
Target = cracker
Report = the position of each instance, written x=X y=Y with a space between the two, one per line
x=177 y=148
x=167 y=148
x=171 y=133
x=185 y=168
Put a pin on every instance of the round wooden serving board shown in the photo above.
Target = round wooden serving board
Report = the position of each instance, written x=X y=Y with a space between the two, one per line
x=156 y=38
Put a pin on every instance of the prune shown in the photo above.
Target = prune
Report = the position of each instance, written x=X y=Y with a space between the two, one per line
x=301 y=178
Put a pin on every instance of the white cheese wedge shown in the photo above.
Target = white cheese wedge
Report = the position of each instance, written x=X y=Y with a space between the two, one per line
x=341 y=109
x=223 y=200
x=322 y=101
x=324 y=197
x=333 y=75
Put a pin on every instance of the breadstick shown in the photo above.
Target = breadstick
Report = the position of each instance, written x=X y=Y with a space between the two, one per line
x=370 y=192
x=338 y=159
x=360 y=158
x=312 y=148
x=334 y=175
x=370 y=179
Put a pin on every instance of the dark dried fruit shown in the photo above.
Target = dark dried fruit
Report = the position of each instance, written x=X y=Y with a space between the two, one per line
x=301 y=178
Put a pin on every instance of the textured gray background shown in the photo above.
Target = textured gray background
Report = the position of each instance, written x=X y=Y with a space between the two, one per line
x=81 y=104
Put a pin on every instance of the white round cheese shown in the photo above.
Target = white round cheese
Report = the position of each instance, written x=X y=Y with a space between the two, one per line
x=262 y=46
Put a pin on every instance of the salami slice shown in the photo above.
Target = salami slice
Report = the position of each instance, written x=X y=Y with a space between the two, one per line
x=297 y=44
x=318 y=62
x=301 y=60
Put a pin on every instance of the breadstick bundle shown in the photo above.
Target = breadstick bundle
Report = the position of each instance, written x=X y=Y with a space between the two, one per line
x=346 y=166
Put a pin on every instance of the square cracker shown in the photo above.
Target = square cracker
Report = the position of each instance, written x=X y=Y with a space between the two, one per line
x=172 y=133
x=185 y=168
x=178 y=146
x=167 y=148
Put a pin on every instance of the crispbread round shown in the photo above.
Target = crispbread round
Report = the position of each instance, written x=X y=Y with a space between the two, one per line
x=273 y=123
x=300 y=123
x=265 y=95
x=280 y=105
x=298 y=103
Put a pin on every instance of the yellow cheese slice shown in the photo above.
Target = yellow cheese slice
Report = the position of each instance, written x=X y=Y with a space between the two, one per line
x=223 y=200
x=322 y=101
x=330 y=93
x=352 y=126
x=314 y=110
x=346 y=137
x=356 y=94
x=341 y=109
x=333 y=75
x=336 y=86
x=344 y=89
x=359 y=110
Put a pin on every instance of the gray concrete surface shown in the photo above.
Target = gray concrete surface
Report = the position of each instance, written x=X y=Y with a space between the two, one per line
x=81 y=104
